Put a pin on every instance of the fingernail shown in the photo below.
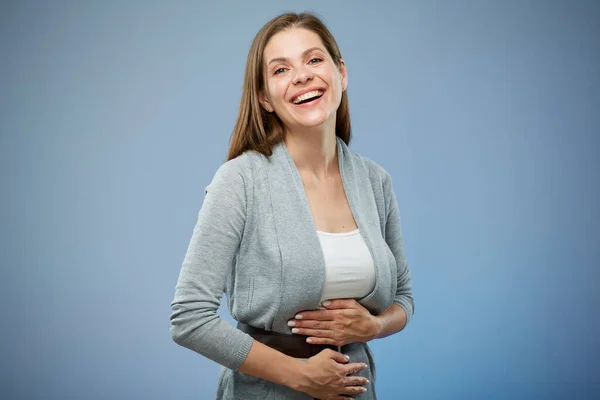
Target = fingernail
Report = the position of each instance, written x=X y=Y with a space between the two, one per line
x=308 y=340
x=364 y=365
x=291 y=323
x=326 y=303
x=298 y=316
x=364 y=389
x=368 y=381
x=295 y=330
x=347 y=357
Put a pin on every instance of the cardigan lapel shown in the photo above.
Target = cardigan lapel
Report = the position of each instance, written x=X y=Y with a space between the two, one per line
x=303 y=264
x=363 y=207
x=302 y=260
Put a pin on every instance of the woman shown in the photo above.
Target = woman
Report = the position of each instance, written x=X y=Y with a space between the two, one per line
x=303 y=235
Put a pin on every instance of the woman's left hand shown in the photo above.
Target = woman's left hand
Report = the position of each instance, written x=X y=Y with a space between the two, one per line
x=344 y=321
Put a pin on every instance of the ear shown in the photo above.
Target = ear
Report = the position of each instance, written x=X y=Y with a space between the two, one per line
x=264 y=102
x=344 y=74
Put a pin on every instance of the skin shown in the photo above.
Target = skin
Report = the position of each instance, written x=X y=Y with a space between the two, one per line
x=346 y=321
x=296 y=60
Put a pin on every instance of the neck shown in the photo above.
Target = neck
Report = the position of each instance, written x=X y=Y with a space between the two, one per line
x=314 y=152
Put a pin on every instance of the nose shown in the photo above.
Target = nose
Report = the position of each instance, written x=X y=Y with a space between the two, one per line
x=302 y=74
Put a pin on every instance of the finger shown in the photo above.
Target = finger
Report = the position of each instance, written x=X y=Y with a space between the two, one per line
x=313 y=324
x=337 y=356
x=343 y=398
x=353 y=368
x=316 y=340
x=321 y=315
x=322 y=333
x=355 y=381
x=336 y=304
x=353 y=390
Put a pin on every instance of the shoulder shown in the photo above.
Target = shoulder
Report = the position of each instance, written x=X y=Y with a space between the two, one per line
x=241 y=169
x=377 y=174
x=235 y=177
x=379 y=179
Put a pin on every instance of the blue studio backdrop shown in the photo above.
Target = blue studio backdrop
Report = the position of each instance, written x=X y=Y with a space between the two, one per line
x=114 y=116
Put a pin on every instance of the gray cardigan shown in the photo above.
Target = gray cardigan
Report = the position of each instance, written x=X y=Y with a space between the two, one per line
x=255 y=237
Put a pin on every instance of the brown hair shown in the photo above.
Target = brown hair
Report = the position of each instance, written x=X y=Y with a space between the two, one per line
x=255 y=128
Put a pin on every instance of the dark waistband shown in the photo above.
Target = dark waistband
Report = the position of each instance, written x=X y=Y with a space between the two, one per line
x=292 y=345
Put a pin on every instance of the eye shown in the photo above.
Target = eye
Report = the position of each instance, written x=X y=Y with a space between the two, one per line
x=315 y=60
x=279 y=71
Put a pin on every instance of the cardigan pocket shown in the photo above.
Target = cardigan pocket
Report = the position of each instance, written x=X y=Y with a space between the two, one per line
x=237 y=385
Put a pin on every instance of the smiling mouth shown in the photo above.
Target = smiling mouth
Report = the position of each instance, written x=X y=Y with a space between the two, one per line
x=308 y=97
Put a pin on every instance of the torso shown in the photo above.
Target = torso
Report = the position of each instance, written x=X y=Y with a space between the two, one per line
x=328 y=205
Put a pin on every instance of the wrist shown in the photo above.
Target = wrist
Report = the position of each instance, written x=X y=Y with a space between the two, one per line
x=378 y=326
x=296 y=376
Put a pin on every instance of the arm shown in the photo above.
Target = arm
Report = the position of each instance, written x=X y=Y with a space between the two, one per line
x=207 y=263
x=211 y=253
x=267 y=363
x=395 y=318
x=194 y=320
x=391 y=321
x=318 y=376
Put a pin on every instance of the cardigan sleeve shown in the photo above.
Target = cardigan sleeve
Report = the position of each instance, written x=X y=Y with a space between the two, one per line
x=395 y=241
x=208 y=261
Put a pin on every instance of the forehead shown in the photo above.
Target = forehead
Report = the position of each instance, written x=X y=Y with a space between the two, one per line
x=290 y=43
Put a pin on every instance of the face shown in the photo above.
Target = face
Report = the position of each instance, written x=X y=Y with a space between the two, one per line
x=303 y=85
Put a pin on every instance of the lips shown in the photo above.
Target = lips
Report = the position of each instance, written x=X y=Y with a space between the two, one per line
x=307 y=95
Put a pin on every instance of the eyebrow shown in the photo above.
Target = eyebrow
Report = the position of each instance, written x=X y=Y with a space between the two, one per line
x=304 y=53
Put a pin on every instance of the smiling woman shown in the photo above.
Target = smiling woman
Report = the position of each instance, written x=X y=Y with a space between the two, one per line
x=278 y=56
x=303 y=83
x=303 y=233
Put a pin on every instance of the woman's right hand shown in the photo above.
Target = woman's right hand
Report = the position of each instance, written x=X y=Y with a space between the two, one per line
x=324 y=376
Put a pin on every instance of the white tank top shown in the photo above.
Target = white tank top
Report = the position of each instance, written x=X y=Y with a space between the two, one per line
x=349 y=265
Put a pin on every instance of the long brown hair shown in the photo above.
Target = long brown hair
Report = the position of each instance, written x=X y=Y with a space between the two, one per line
x=255 y=128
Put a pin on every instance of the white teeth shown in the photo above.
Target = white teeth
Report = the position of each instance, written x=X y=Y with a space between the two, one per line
x=307 y=96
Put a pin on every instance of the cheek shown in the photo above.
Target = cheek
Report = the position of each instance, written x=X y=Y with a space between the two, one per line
x=277 y=91
x=336 y=91
x=336 y=83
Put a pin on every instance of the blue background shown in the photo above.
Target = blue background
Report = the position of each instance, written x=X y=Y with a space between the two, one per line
x=115 y=115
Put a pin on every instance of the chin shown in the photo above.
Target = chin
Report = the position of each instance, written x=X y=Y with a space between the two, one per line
x=313 y=121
